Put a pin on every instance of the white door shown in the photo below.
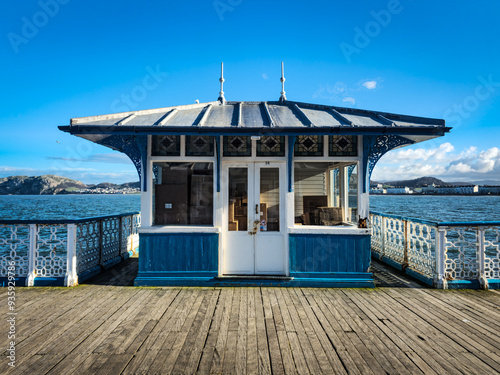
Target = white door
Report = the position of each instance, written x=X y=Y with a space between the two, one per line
x=254 y=221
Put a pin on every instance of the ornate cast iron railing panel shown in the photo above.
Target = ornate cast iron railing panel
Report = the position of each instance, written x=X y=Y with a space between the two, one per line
x=492 y=252
x=394 y=239
x=460 y=258
x=65 y=248
x=421 y=247
x=88 y=245
x=14 y=247
x=50 y=250
x=377 y=240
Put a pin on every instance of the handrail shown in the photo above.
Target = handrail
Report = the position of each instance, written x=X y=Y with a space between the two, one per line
x=66 y=221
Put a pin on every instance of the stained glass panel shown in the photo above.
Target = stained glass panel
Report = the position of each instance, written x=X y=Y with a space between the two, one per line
x=237 y=146
x=271 y=145
x=309 y=145
x=166 y=145
x=343 y=145
x=199 y=145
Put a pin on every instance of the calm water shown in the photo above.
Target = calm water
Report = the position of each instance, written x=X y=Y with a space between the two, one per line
x=43 y=207
x=439 y=208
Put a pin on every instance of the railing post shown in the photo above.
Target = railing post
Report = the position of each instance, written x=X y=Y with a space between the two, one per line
x=30 y=280
x=441 y=282
x=71 y=278
x=483 y=282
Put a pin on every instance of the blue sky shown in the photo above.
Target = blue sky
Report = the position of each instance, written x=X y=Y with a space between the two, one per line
x=70 y=58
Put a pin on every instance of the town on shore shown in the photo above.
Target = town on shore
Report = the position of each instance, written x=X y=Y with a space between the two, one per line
x=432 y=186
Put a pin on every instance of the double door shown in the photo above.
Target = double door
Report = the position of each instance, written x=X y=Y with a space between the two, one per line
x=253 y=231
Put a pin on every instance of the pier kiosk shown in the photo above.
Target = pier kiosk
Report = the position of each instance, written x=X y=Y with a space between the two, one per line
x=255 y=193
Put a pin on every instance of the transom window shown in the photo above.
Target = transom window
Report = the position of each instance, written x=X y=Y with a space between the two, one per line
x=271 y=145
x=237 y=145
x=343 y=145
x=166 y=145
x=199 y=145
x=309 y=145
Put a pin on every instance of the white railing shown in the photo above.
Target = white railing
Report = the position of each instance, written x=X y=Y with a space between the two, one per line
x=68 y=250
x=459 y=254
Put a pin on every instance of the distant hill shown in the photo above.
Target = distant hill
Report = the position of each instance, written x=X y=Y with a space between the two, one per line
x=38 y=185
x=420 y=182
x=51 y=184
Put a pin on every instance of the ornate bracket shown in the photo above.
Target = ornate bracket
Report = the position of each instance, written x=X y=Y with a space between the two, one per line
x=135 y=147
x=374 y=147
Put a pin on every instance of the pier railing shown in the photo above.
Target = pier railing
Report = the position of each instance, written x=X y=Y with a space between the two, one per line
x=445 y=255
x=64 y=252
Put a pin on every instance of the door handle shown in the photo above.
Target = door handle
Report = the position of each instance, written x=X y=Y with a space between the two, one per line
x=257 y=209
x=255 y=227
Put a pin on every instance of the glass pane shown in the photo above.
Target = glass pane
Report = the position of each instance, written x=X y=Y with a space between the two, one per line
x=309 y=145
x=166 y=145
x=271 y=145
x=199 y=145
x=183 y=194
x=269 y=200
x=325 y=193
x=238 y=199
x=353 y=194
x=237 y=146
x=343 y=145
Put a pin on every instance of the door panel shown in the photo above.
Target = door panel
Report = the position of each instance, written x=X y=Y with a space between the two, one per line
x=253 y=229
x=269 y=241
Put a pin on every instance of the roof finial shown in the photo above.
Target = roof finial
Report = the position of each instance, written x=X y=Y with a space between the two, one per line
x=283 y=96
x=221 y=80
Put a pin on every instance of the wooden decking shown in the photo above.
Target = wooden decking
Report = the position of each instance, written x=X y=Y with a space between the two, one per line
x=106 y=327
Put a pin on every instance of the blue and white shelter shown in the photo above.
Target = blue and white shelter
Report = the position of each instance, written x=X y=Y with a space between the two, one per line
x=266 y=192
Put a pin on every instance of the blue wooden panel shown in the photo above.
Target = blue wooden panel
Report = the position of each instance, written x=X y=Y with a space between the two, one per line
x=178 y=252
x=310 y=253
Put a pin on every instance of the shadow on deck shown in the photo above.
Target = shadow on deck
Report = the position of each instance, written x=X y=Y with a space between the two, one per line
x=123 y=274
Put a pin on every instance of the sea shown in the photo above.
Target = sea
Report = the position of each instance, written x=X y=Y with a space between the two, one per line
x=435 y=208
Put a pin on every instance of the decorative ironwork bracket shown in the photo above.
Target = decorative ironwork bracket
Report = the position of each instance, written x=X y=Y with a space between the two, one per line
x=374 y=147
x=136 y=148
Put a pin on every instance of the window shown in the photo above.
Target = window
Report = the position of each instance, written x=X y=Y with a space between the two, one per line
x=199 y=145
x=271 y=145
x=183 y=194
x=166 y=145
x=309 y=145
x=237 y=146
x=343 y=145
x=325 y=193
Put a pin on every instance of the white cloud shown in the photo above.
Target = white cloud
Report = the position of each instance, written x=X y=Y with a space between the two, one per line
x=349 y=100
x=370 y=85
x=442 y=161
x=265 y=76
